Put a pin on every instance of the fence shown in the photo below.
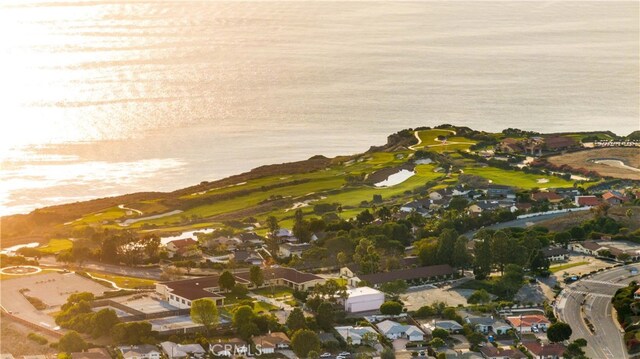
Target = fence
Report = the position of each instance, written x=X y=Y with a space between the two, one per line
x=137 y=315
x=33 y=325
x=566 y=210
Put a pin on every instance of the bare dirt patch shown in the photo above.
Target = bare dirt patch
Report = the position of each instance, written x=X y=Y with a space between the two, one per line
x=630 y=156
x=14 y=339
x=573 y=219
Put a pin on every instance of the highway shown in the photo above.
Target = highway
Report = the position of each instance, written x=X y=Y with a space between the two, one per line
x=590 y=299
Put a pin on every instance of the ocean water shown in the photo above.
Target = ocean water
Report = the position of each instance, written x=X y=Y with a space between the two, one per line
x=102 y=98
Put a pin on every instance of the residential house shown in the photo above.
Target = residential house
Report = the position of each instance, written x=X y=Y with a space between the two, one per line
x=497 y=192
x=549 y=196
x=269 y=343
x=413 y=276
x=526 y=323
x=555 y=254
x=491 y=205
x=587 y=201
x=292 y=249
x=569 y=193
x=143 y=351
x=488 y=325
x=394 y=330
x=251 y=239
x=420 y=206
x=586 y=247
x=491 y=352
x=545 y=351
x=449 y=325
x=185 y=247
x=92 y=353
x=357 y=335
x=510 y=145
x=614 y=198
x=636 y=294
x=223 y=242
x=247 y=257
x=363 y=299
x=559 y=143
x=173 y=350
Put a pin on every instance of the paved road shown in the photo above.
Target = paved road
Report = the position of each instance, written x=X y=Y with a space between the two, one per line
x=149 y=273
x=522 y=223
x=590 y=298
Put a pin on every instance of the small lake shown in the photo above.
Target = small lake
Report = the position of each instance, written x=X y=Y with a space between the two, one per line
x=396 y=178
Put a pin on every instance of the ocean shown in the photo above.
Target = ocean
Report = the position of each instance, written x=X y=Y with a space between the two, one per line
x=101 y=98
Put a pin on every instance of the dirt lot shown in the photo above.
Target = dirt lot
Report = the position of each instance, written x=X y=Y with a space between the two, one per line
x=584 y=159
x=14 y=340
x=418 y=297
x=573 y=219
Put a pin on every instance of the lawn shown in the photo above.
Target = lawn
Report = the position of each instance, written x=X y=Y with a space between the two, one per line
x=56 y=245
x=517 y=178
x=429 y=141
x=125 y=282
x=557 y=268
x=487 y=284
x=263 y=307
x=274 y=292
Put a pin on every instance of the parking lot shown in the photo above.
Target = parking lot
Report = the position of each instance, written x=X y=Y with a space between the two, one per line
x=51 y=288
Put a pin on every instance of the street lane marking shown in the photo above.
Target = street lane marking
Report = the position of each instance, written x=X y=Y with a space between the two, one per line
x=603 y=282
x=571 y=291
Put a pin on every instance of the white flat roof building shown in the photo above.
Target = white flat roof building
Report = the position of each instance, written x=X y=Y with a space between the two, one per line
x=363 y=299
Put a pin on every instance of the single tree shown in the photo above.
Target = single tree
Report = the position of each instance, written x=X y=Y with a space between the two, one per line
x=103 y=321
x=204 y=311
x=226 y=281
x=325 y=316
x=243 y=315
x=387 y=353
x=391 y=308
x=440 y=333
x=296 y=320
x=461 y=257
x=437 y=343
x=272 y=224
x=72 y=342
x=256 y=276
x=305 y=341
x=559 y=332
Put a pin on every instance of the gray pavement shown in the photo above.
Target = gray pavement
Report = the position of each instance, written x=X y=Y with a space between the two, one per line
x=149 y=273
x=590 y=298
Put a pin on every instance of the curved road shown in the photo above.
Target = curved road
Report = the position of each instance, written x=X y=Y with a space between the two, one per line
x=590 y=298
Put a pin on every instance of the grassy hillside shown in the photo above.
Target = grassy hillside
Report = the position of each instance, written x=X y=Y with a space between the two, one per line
x=277 y=190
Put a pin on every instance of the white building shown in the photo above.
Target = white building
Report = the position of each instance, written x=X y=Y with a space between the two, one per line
x=355 y=335
x=144 y=351
x=394 y=330
x=363 y=299
x=173 y=350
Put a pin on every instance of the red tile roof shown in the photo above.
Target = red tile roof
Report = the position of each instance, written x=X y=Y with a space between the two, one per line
x=528 y=320
x=272 y=340
x=537 y=349
x=588 y=201
x=408 y=274
x=184 y=242
x=549 y=196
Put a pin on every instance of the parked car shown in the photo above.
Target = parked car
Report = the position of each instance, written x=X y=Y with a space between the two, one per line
x=325 y=355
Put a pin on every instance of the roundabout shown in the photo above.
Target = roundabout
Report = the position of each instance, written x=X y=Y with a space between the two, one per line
x=20 y=270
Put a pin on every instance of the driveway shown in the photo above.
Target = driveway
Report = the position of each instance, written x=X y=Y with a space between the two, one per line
x=400 y=345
